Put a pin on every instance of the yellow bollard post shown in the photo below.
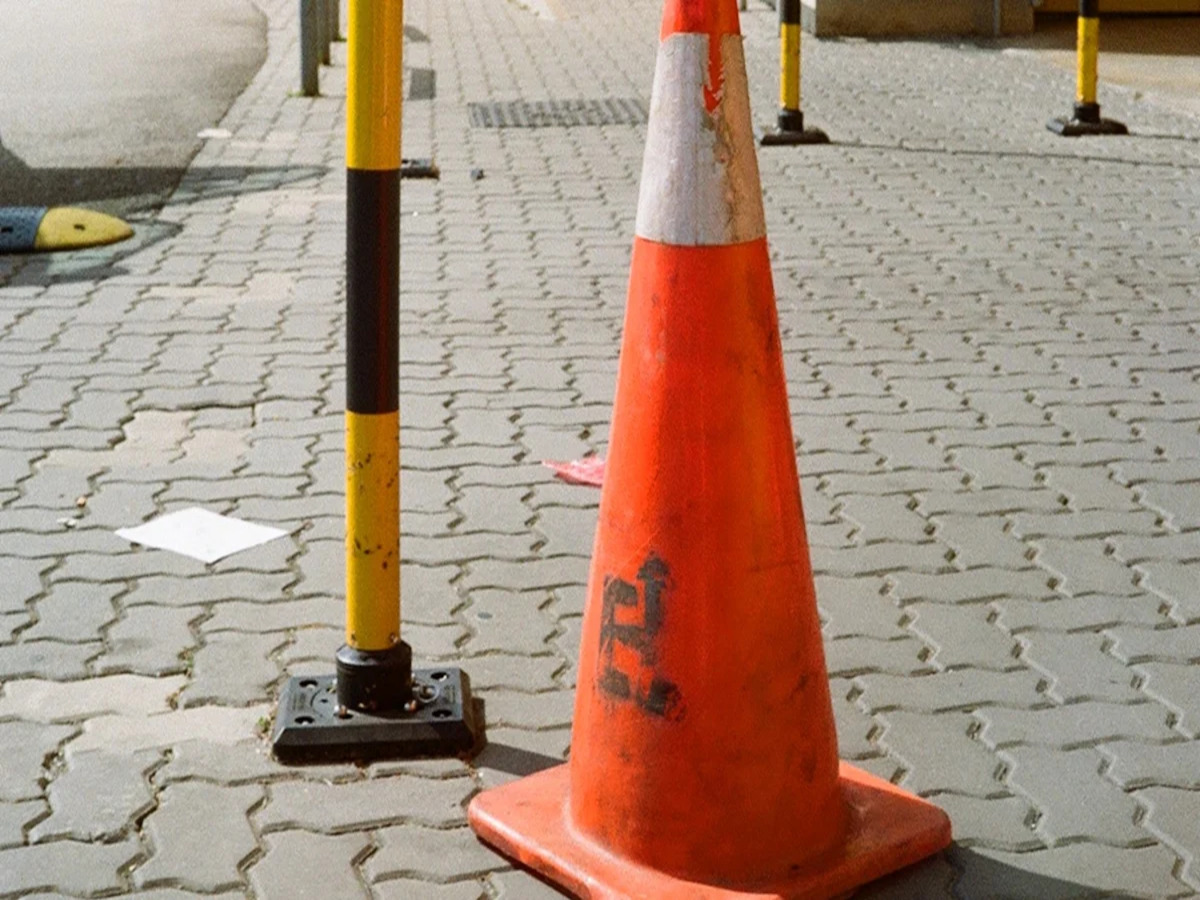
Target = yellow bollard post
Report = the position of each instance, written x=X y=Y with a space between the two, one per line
x=790 y=127
x=1085 y=118
x=376 y=706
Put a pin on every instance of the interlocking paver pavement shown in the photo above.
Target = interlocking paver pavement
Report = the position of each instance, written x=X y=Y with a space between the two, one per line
x=991 y=341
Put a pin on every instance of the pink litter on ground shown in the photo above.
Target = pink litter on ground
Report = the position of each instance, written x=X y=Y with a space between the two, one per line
x=589 y=470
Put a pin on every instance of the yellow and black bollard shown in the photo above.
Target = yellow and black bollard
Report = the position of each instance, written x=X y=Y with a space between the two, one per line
x=377 y=705
x=790 y=128
x=1086 y=116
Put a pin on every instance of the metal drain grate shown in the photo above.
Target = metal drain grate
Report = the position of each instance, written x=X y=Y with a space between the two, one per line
x=558 y=113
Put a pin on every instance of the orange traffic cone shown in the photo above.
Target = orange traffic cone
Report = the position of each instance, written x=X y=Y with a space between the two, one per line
x=704 y=757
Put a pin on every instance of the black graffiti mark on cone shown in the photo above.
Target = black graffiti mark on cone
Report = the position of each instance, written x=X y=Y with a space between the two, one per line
x=649 y=690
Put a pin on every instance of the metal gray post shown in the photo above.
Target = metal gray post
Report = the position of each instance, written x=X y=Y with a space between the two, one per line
x=310 y=49
x=335 y=19
x=323 y=28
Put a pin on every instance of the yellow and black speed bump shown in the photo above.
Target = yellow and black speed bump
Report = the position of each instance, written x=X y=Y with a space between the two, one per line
x=42 y=229
x=790 y=129
x=1085 y=118
x=375 y=706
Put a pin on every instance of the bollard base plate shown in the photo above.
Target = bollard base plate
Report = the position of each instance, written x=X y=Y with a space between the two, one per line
x=419 y=168
x=781 y=138
x=308 y=727
x=1079 y=128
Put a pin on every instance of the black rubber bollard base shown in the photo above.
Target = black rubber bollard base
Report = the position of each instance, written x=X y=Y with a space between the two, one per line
x=781 y=138
x=1080 y=128
x=439 y=721
x=419 y=168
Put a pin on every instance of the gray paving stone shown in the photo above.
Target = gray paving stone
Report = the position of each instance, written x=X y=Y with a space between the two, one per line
x=1173 y=816
x=428 y=593
x=963 y=635
x=879 y=559
x=499 y=509
x=70 y=866
x=429 y=641
x=22 y=580
x=1071 y=871
x=938 y=754
x=550 y=709
x=856 y=607
x=206 y=860
x=129 y=733
x=170 y=590
x=999 y=822
x=972 y=585
x=307 y=866
x=958 y=689
x=1136 y=645
x=525 y=673
x=99 y=797
x=981 y=541
x=1178 y=686
x=318 y=806
x=1095 y=523
x=1079 y=667
x=1179 y=503
x=73 y=611
x=1136 y=764
x=1176 y=584
x=1079 y=724
x=279 y=615
x=14 y=817
x=432 y=853
x=518 y=885
x=850 y=656
x=538 y=574
x=241 y=762
x=404 y=888
x=150 y=640
x=1083 y=567
x=566 y=530
x=232 y=668
x=1073 y=798
x=507 y=621
x=46 y=659
x=1087 y=613
x=1089 y=488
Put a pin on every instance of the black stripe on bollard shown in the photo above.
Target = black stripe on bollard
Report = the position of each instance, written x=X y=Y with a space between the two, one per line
x=372 y=275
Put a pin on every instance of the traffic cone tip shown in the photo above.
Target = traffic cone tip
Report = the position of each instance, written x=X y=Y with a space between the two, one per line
x=700 y=17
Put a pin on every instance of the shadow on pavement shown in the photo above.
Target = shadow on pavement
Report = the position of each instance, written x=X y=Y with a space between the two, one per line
x=126 y=191
x=1154 y=35
x=136 y=194
x=514 y=760
x=961 y=873
x=1037 y=155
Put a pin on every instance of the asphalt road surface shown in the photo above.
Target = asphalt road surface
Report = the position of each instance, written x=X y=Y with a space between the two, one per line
x=101 y=100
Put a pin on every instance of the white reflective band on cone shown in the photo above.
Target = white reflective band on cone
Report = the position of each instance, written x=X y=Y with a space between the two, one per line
x=700 y=174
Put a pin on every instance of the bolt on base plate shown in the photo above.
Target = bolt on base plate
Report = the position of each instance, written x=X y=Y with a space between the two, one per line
x=1080 y=128
x=311 y=728
x=779 y=137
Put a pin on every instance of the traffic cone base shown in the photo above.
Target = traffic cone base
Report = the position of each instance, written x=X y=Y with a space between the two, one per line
x=527 y=820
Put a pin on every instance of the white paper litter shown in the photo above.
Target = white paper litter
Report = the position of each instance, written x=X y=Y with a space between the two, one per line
x=200 y=534
x=217 y=134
